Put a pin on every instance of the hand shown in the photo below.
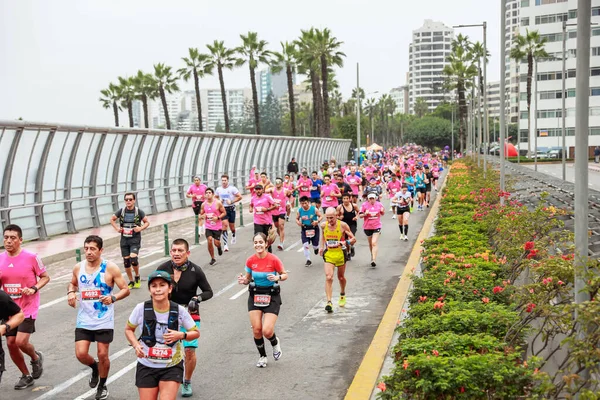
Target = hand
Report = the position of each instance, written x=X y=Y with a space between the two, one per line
x=137 y=229
x=28 y=291
x=106 y=300
x=72 y=299
x=119 y=230
x=2 y=330
x=242 y=280
x=321 y=251
x=139 y=350
x=273 y=278
x=172 y=336
x=193 y=305
x=215 y=218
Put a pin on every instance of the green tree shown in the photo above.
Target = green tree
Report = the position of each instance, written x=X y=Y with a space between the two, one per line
x=110 y=99
x=443 y=110
x=222 y=58
x=166 y=82
x=371 y=108
x=219 y=127
x=309 y=64
x=421 y=107
x=270 y=110
x=287 y=59
x=255 y=53
x=127 y=94
x=145 y=89
x=530 y=47
x=197 y=66
x=429 y=131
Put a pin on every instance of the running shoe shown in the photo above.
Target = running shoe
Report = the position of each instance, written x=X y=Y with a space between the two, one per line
x=316 y=251
x=102 y=393
x=225 y=248
x=93 y=382
x=342 y=301
x=277 y=350
x=37 y=366
x=138 y=283
x=329 y=307
x=262 y=362
x=308 y=263
x=130 y=285
x=373 y=264
x=406 y=237
x=186 y=390
x=24 y=382
x=220 y=250
x=233 y=240
x=212 y=262
x=280 y=246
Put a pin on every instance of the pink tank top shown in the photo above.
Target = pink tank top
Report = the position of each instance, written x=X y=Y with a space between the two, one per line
x=211 y=210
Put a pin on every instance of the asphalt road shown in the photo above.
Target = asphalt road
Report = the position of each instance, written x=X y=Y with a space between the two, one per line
x=321 y=352
x=555 y=170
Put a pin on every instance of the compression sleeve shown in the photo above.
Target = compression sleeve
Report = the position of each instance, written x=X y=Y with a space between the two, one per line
x=207 y=292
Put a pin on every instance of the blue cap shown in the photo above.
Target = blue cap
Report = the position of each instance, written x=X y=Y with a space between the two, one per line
x=159 y=274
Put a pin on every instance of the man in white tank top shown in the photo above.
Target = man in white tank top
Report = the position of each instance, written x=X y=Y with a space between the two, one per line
x=92 y=286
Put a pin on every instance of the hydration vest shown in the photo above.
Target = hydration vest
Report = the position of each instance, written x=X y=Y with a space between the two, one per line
x=149 y=329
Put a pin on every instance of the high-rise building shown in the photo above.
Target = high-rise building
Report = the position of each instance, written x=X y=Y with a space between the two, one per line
x=400 y=96
x=212 y=105
x=430 y=46
x=493 y=99
x=270 y=82
x=157 y=116
x=513 y=23
x=546 y=16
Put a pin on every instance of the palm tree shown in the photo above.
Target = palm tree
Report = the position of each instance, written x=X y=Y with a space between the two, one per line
x=371 y=108
x=196 y=66
x=222 y=57
x=145 y=89
x=127 y=94
x=256 y=53
x=460 y=71
x=327 y=50
x=421 y=107
x=530 y=46
x=336 y=101
x=110 y=99
x=287 y=59
x=480 y=53
x=309 y=64
x=166 y=82
x=361 y=96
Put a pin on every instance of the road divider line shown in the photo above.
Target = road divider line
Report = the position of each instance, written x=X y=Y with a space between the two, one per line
x=238 y=294
x=226 y=288
x=293 y=245
x=110 y=380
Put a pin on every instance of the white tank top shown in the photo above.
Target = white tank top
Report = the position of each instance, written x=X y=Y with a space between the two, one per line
x=92 y=314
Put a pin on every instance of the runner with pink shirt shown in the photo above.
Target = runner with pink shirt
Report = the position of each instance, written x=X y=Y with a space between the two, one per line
x=289 y=185
x=354 y=181
x=261 y=206
x=22 y=275
x=329 y=193
x=371 y=212
x=303 y=185
x=280 y=197
x=196 y=193
x=213 y=211
x=393 y=187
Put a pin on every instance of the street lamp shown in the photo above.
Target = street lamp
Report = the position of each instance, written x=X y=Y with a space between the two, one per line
x=502 y=93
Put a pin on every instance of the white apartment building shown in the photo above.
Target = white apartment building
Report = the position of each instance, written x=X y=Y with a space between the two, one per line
x=493 y=99
x=400 y=97
x=546 y=16
x=212 y=105
x=157 y=115
x=512 y=66
x=430 y=46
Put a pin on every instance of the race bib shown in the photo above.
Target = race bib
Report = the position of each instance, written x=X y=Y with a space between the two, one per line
x=127 y=232
x=313 y=188
x=328 y=198
x=304 y=218
x=13 y=290
x=309 y=233
x=259 y=212
x=90 y=295
x=160 y=354
x=262 y=300
x=333 y=243
x=209 y=218
x=305 y=188
x=373 y=215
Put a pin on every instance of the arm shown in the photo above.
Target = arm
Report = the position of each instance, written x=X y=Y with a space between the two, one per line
x=244 y=278
x=44 y=279
x=221 y=210
x=118 y=280
x=133 y=340
x=189 y=193
x=207 y=292
x=319 y=216
x=73 y=287
x=113 y=222
x=237 y=198
x=340 y=213
x=145 y=225
x=348 y=233
x=322 y=239
x=14 y=321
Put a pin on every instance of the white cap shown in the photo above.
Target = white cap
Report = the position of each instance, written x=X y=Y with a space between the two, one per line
x=372 y=196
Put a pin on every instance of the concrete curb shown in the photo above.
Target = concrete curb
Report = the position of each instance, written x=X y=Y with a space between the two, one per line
x=367 y=374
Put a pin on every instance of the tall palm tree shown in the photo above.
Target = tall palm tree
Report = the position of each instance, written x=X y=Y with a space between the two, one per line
x=459 y=72
x=196 y=66
x=371 y=108
x=255 y=53
x=110 y=99
x=222 y=57
x=145 y=89
x=336 y=101
x=327 y=50
x=361 y=96
x=530 y=46
x=480 y=54
x=166 y=82
x=127 y=95
x=287 y=59
x=309 y=64
x=420 y=107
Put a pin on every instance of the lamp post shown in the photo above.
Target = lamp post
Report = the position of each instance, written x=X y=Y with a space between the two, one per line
x=502 y=93
x=535 y=131
x=357 y=117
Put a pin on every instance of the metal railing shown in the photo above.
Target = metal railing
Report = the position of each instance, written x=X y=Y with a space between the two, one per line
x=61 y=178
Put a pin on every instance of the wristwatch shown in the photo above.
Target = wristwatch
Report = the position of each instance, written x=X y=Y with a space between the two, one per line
x=113 y=298
x=184 y=335
x=8 y=328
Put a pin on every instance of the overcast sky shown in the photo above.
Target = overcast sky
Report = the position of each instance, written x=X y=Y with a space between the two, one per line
x=55 y=56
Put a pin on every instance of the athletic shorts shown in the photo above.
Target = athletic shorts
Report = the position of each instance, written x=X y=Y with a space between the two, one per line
x=428 y=188
x=196 y=207
x=130 y=246
x=230 y=216
x=334 y=257
x=312 y=240
x=402 y=210
x=27 y=326
x=276 y=218
x=316 y=200
x=421 y=190
x=370 y=232
x=272 y=308
x=258 y=228
x=215 y=234
x=100 y=335
x=190 y=343
x=353 y=227
x=146 y=377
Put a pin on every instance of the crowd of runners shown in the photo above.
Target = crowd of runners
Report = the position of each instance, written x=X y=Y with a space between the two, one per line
x=326 y=204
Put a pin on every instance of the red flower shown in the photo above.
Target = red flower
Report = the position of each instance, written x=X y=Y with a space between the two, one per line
x=435 y=352
x=497 y=289
x=532 y=253
x=422 y=299
x=381 y=386
x=438 y=304
x=485 y=300
x=462 y=389
x=405 y=364
x=530 y=307
x=529 y=245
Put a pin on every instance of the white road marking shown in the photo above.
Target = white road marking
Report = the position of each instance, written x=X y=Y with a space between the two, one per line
x=110 y=380
x=293 y=245
x=226 y=288
x=300 y=249
x=238 y=294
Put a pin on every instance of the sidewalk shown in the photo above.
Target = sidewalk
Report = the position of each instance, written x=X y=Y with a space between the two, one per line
x=594 y=167
x=59 y=248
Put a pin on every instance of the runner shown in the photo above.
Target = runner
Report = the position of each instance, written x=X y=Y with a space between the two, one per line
x=373 y=188
x=428 y=181
x=421 y=187
x=354 y=180
x=22 y=275
x=402 y=201
x=289 y=185
x=336 y=236
x=215 y=214
x=372 y=211
x=329 y=193
x=342 y=185
x=11 y=317
x=261 y=206
x=187 y=277
x=308 y=219
x=253 y=181
x=263 y=273
x=280 y=196
x=94 y=278
x=229 y=195
x=409 y=181
x=435 y=173
x=132 y=221
x=315 y=189
x=393 y=187
x=196 y=193
x=348 y=212
x=159 y=351
x=304 y=184
x=265 y=182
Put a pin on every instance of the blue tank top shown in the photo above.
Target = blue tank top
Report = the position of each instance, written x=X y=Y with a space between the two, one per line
x=308 y=216
x=92 y=314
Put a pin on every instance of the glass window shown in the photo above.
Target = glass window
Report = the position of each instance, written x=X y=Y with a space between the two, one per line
x=595 y=91
x=524 y=3
x=525 y=21
x=595 y=72
x=523 y=114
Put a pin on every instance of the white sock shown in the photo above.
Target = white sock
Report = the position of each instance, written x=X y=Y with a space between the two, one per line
x=306 y=251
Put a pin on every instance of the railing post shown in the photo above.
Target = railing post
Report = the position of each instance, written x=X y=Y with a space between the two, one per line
x=78 y=255
x=196 y=233
x=241 y=214
x=166 y=230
